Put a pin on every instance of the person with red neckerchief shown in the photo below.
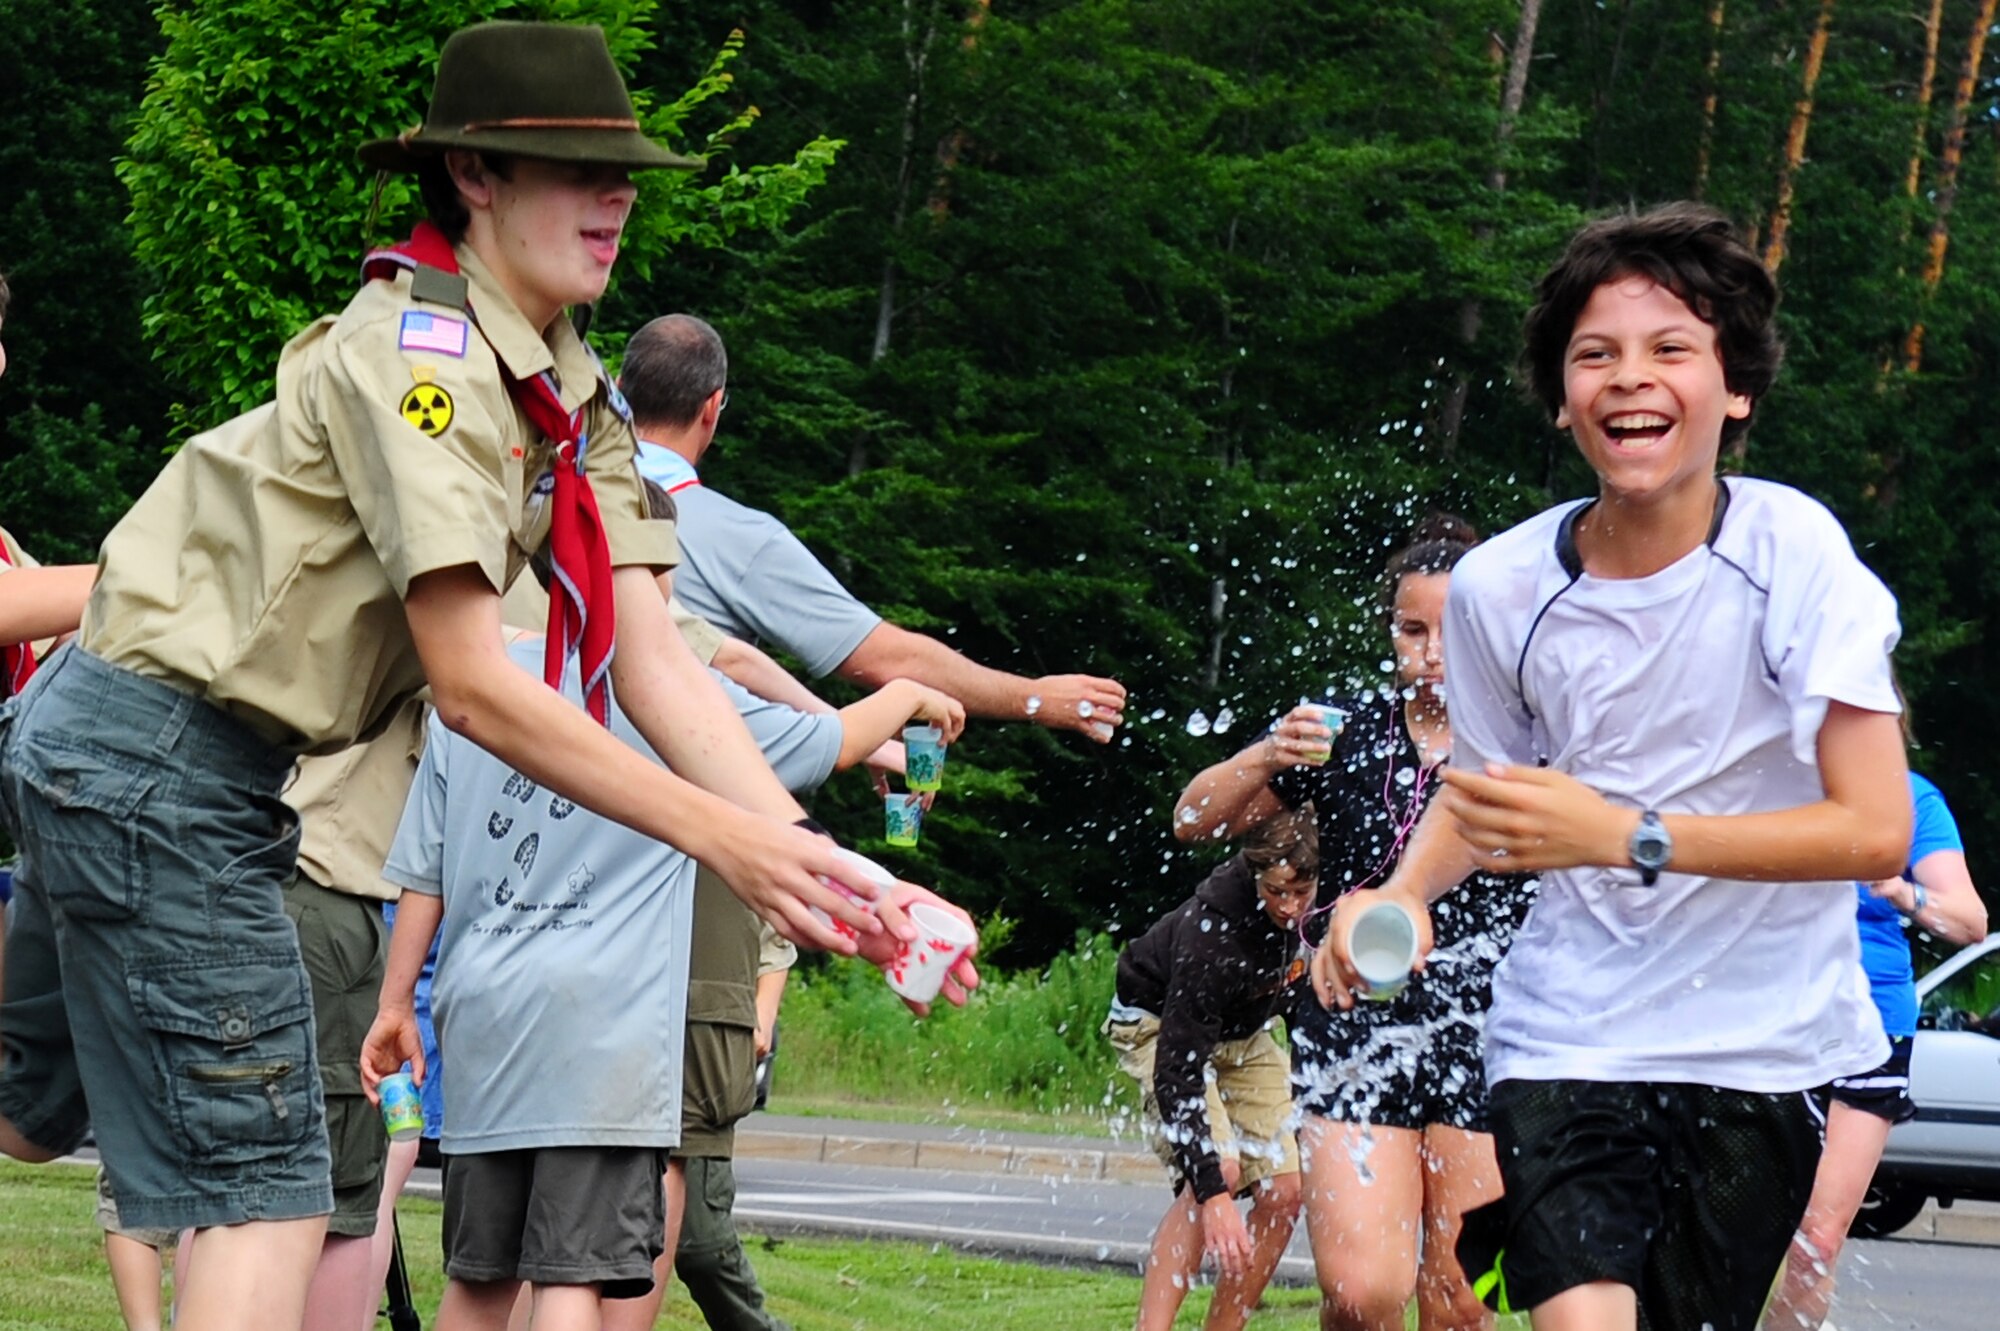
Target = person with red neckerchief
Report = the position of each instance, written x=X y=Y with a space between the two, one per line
x=289 y=579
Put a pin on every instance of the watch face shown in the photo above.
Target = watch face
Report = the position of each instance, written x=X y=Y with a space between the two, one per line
x=1651 y=846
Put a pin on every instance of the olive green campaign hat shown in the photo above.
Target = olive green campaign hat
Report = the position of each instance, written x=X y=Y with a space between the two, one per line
x=545 y=90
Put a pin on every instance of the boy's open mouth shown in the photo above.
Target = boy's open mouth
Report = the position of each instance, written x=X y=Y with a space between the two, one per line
x=603 y=243
x=1637 y=428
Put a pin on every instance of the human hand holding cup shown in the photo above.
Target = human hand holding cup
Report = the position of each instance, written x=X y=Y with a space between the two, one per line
x=941 y=952
x=1304 y=736
x=402 y=1107
x=1337 y=978
x=1382 y=944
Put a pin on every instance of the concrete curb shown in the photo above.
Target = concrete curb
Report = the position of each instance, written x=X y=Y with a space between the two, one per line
x=1115 y=1164
x=1961 y=1223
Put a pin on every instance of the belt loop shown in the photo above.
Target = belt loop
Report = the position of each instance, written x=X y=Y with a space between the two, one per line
x=175 y=724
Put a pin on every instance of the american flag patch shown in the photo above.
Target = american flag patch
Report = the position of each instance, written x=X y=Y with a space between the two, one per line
x=430 y=332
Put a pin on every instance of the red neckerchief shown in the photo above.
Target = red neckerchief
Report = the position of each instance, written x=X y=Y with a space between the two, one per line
x=582 y=605
x=17 y=659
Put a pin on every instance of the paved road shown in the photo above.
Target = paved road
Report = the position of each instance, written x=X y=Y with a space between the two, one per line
x=1885 y=1284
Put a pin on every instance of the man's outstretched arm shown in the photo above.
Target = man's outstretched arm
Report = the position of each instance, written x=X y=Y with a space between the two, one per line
x=1083 y=703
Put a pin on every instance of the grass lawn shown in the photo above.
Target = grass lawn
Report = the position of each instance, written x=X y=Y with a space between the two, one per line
x=53 y=1277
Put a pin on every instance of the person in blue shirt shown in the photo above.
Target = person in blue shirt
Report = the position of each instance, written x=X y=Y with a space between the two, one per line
x=1934 y=893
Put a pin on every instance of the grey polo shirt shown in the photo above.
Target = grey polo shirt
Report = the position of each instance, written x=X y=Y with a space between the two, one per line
x=744 y=571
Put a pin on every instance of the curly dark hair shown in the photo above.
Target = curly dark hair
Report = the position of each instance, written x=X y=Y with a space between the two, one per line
x=1692 y=251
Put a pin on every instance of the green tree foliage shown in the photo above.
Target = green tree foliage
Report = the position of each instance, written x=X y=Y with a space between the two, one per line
x=249 y=209
x=81 y=396
x=1122 y=334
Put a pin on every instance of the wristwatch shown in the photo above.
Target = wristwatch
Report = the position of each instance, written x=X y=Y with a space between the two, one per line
x=1650 y=847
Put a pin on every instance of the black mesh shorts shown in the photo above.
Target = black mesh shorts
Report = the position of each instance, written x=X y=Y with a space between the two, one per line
x=1687 y=1194
x=1884 y=1091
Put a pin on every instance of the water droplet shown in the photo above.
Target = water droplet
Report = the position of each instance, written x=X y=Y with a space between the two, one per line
x=1223 y=720
x=1034 y=705
x=1198 y=723
x=1085 y=710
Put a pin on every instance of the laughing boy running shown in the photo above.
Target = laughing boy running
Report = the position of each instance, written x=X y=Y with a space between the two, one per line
x=1673 y=700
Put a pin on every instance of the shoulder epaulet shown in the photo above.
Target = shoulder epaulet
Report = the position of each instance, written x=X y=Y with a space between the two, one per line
x=434 y=286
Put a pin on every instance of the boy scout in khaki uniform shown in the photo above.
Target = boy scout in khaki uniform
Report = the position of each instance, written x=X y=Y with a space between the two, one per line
x=288 y=582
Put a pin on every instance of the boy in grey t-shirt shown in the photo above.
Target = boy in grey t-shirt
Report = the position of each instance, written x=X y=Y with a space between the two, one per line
x=561 y=998
x=558 y=999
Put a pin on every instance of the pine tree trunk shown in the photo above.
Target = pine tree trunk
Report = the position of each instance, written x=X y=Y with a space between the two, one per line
x=1947 y=179
x=1925 y=87
x=916 y=57
x=953 y=145
x=1513 y=93
x=1795 y=141
x=1711 y=69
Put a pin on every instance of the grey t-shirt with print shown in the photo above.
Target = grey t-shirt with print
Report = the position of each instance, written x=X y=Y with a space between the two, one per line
x=561 y=991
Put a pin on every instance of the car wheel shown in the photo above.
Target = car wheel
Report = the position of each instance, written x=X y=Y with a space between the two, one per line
x=1887 y=1208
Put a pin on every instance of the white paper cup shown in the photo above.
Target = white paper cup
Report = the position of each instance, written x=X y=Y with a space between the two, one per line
x=919 y=968
x=1383 y=947
x=861 y=869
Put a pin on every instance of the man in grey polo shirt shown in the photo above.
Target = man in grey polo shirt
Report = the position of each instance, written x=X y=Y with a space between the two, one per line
x=743 y=571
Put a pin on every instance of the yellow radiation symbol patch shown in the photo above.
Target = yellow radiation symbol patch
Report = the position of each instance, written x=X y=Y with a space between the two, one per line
x=427 y=407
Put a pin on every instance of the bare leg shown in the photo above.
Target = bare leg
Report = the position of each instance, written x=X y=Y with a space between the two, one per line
x=1460 y=1173
x=1364 y=1235
x=1175 y=1260
x=1854 y=1142
x=135 y=1277
x=639 y=1314
x=250 y=1277
x=402 y=1160
x=1602 y=1305
x=476 y=1305
x=14 y=1144
x=340 y=1295
x=1273 y=1214
x=568 y=1308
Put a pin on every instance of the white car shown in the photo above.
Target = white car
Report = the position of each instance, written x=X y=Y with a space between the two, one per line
x=1951 y=1149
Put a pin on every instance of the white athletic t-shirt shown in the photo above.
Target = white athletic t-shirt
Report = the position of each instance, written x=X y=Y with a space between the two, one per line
x=1699 y=689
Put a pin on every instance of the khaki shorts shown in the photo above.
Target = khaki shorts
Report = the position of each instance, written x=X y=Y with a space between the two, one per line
x=164 y=1240
x=346 y=948
x=719 y=1073
x=1249 y=1100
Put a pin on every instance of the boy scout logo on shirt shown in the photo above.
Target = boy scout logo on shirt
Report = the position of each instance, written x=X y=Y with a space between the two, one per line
x=427 y=407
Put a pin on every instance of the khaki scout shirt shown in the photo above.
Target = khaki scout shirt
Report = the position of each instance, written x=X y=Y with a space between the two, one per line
x=264 y=569
x=350 y=802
